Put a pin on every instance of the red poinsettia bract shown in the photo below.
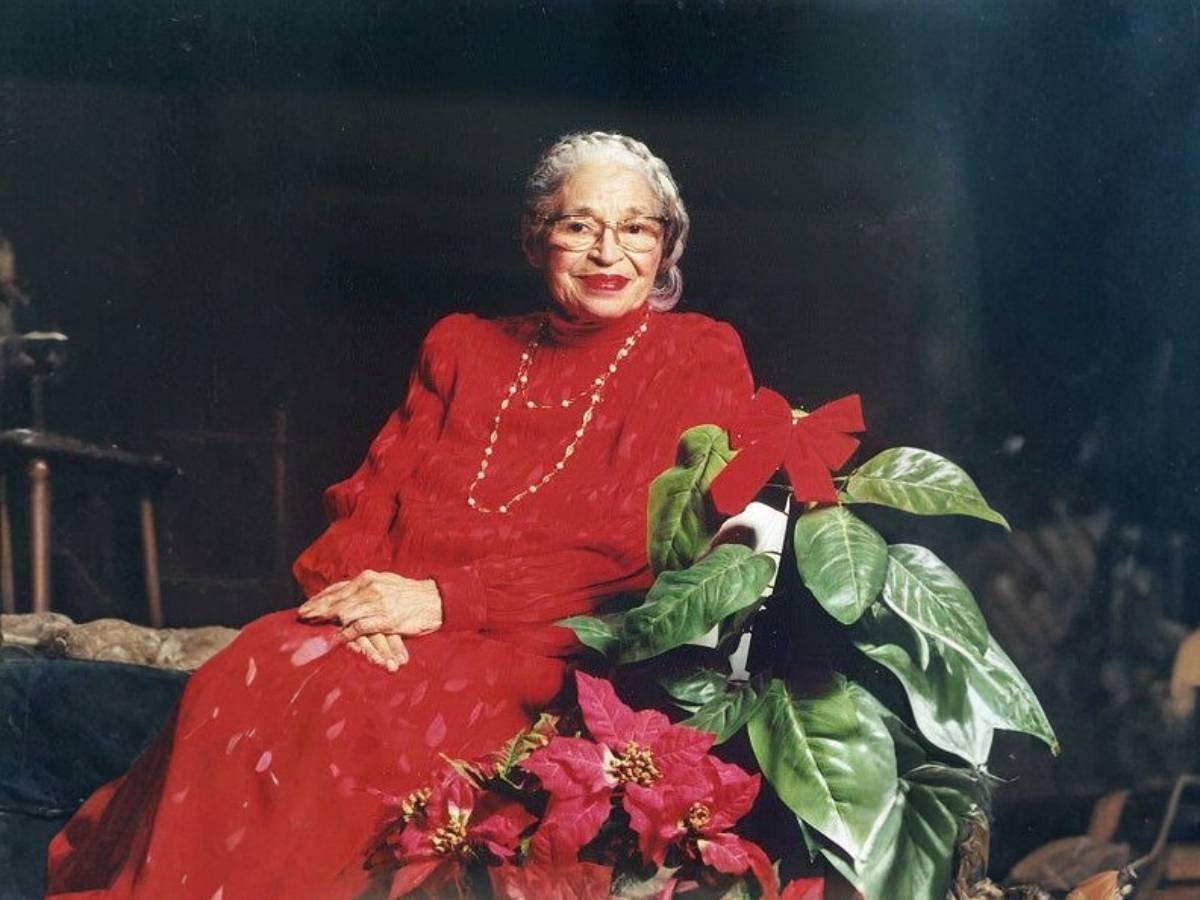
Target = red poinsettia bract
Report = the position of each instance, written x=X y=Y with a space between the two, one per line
x=697 y=818
x=769 y=435
x=804 y=889
x=637 y=755
x=551 y=872
x=447 y=827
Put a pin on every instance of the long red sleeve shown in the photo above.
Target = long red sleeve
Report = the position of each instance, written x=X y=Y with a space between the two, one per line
x=361 y=507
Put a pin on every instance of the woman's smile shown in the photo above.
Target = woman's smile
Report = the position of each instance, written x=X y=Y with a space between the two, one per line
x=604 y=284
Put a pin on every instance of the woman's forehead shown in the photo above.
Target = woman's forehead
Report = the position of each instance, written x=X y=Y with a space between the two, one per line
x=606 y=188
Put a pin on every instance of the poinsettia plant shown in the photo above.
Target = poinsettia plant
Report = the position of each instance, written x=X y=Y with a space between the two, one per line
x=630 y=806
x=872 y=718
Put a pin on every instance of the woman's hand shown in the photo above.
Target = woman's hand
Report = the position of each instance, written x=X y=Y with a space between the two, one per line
x=376 y=608
x=386 y=650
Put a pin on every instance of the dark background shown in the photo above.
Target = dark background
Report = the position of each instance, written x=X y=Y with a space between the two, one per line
x=985 y=217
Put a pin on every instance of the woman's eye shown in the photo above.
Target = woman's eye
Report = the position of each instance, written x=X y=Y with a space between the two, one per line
x=641 y=228
x=575 y=226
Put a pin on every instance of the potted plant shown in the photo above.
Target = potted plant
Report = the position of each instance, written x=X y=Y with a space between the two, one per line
x=874 y=724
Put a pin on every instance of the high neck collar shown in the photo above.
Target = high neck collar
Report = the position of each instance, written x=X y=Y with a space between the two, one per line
x=566 y=332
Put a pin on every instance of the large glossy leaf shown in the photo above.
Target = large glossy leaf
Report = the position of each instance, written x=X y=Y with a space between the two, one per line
x=686 y=604
x=920 y=482
x=601 y=633
x=909 y=751
x=829 y=757
x=911 y=852
x=677 y=527
x=841 y=559
x=913 y=763
x=975 y=785
x=937 y=687
x=958 y=700
x=695 y=687
x=926 y=592
x=725 y=715
x=1009 y=700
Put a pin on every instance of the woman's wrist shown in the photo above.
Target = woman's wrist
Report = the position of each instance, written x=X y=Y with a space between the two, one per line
x=433 y=603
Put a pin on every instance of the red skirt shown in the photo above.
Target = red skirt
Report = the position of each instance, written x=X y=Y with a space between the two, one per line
x=271 y=780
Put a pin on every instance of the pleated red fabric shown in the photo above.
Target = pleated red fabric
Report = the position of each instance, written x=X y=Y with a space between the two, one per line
x=271 y=779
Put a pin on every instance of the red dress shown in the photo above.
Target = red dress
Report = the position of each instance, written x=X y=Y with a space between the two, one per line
x=269 y=780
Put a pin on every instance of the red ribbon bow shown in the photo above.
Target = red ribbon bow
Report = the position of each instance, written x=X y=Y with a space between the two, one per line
x=767 y=436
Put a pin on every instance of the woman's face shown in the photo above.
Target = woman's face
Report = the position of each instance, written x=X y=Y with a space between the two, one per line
x=605 y=280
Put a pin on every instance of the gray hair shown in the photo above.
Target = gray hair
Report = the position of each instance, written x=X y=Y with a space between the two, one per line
x=558 y=163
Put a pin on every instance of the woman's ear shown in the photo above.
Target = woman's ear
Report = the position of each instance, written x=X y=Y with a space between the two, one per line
x=532 y=244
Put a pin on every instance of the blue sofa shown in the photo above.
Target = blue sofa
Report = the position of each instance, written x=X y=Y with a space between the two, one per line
x=66 y=727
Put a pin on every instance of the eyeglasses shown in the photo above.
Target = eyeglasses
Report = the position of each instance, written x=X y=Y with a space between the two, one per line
x=637 y=234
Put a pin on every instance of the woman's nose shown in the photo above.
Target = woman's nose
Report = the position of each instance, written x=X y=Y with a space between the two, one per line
x=606 y=250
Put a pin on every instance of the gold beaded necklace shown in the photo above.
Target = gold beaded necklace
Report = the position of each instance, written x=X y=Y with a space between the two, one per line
x=519 y=386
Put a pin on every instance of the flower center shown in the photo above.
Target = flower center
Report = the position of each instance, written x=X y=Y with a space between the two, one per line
x=451 y=839
x=413 y=806
x=698 y=818
x=635 y=765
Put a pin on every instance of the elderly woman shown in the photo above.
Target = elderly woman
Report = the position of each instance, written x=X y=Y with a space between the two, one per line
x=507 y=492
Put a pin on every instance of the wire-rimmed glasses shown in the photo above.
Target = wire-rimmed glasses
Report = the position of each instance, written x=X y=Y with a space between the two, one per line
x=637 y=234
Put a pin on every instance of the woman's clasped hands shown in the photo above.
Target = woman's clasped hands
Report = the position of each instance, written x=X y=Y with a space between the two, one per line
x=377 y=610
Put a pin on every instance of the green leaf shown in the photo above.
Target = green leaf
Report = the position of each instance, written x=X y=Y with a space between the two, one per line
x=696 y=687
x=601 y=633
x=937 y=688
x=1010 y=702
x=913 y=763
x=521 y=745
x=677 y=526
x=725 y=715
x=841 y=559
x=909 y=752
x=957 y=700
x=686 y=604
x=927 y=593
x=975 y=785
x=920 y=482
x=829 y=757
x=812 y=839
x=632 y=885
x=836 y=857
x=739 y=890
x=911 y=853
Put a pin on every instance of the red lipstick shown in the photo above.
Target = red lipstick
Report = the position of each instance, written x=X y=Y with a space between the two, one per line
x=607 y=283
